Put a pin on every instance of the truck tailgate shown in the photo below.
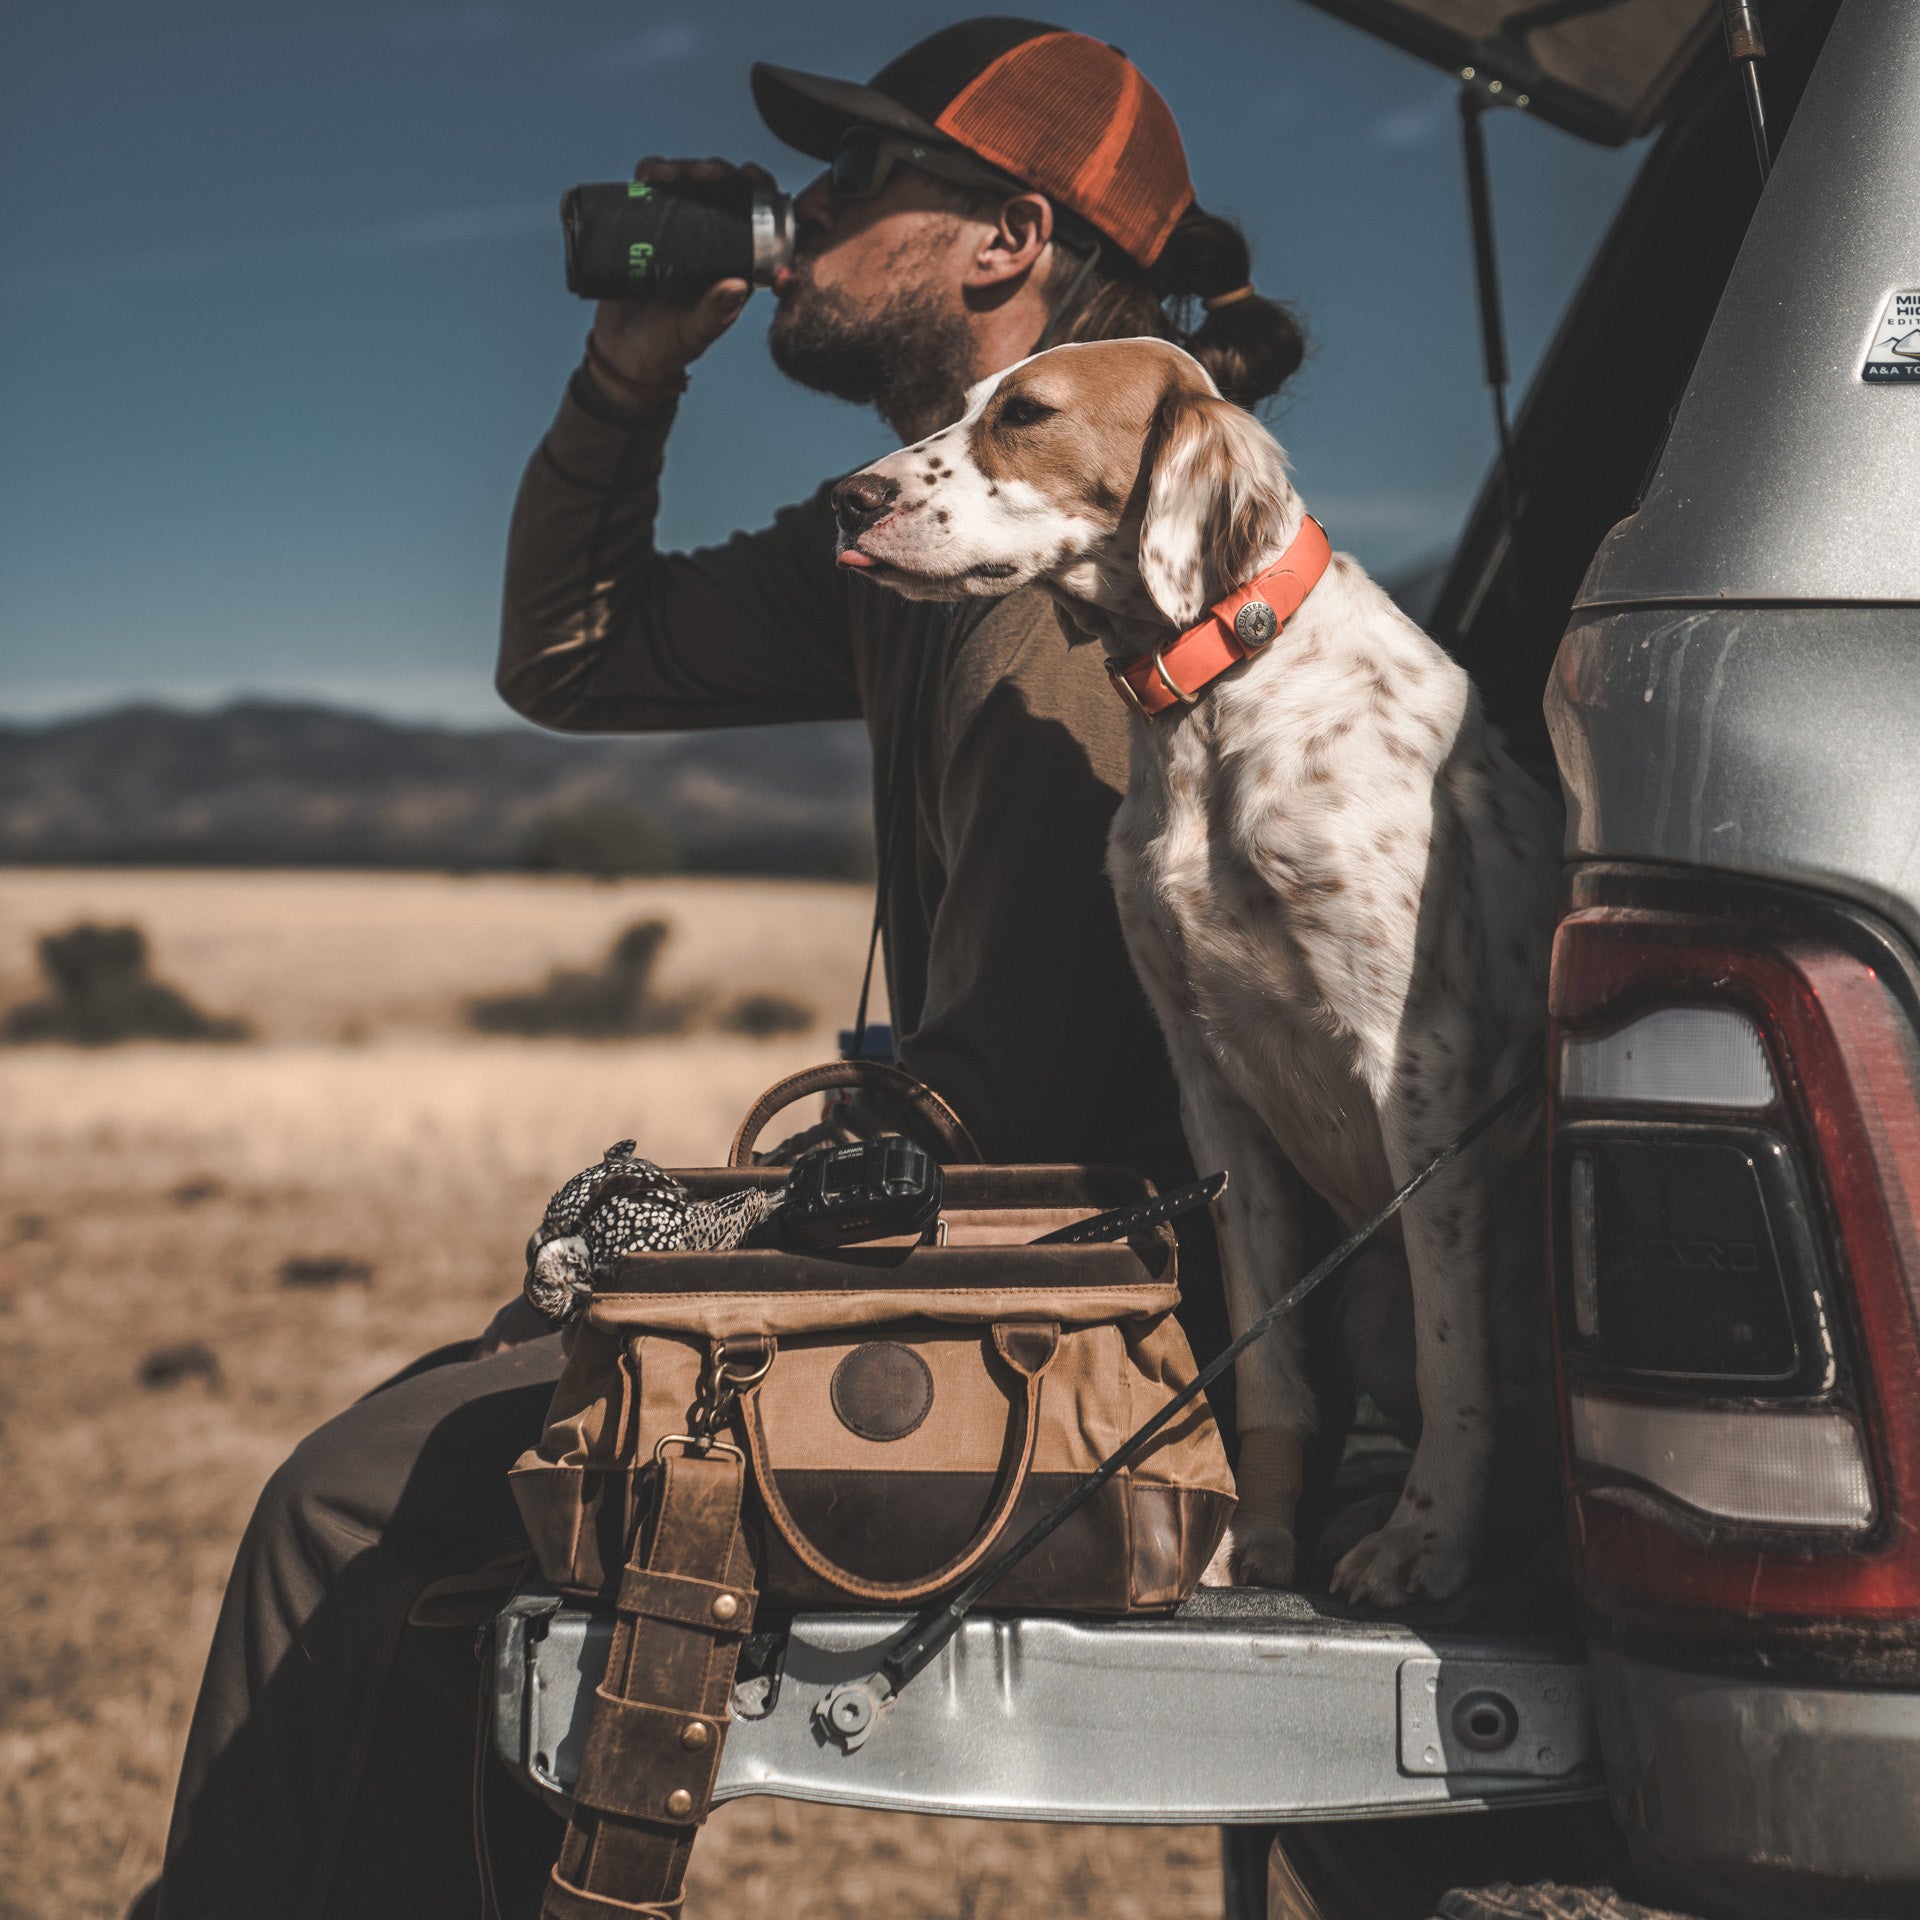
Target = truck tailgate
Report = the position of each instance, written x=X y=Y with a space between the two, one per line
x=1247 y=1705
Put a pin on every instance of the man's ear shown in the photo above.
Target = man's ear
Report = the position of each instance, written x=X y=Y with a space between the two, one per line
x=1219 y=504
x=1023 y=228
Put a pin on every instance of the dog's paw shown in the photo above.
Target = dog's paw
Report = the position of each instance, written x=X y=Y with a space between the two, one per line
x=1253 y=1553
x=1352 y=1524
x=1406 y=1559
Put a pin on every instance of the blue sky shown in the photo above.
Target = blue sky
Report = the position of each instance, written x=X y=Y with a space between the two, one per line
x=281 y=311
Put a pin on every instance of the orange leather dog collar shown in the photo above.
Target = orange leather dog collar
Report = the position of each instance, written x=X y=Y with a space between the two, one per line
x=1241 y=625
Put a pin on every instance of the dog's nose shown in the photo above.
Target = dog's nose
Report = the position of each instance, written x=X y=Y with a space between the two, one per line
x=863 y=499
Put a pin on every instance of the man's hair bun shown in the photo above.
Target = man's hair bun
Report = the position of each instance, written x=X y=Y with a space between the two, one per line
x=1250 y=345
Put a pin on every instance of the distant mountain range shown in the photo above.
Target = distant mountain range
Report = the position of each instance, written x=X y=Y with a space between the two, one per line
x=284 y=784
x=271 y=784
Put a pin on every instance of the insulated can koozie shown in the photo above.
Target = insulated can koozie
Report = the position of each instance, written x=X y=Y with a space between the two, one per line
x=632 y=240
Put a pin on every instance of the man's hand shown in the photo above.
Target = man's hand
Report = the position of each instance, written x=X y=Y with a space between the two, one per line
x=514 y=1325
x=653 y=342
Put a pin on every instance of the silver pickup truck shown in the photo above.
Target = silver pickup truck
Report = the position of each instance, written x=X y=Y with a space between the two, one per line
x=1702 y=543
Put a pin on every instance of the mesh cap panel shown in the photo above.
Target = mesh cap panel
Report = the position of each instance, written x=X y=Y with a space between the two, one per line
x=1077 y=120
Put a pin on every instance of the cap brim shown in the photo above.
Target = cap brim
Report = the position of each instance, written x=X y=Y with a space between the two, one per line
x=811 y=112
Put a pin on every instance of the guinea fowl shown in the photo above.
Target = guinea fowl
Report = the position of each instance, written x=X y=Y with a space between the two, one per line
x=623 y=1204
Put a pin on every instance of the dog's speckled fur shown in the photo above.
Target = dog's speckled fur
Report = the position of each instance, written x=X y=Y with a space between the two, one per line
x=1337 y=890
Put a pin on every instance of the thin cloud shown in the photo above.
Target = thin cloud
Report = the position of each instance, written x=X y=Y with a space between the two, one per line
x=1388 y=525
x=1283 y=105
x=385 y=239
x=664 y=45
x=1409 y=126
x=452 y=27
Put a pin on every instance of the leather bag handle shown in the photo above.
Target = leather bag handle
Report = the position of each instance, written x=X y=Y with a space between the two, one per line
x=1028 y=1348
x=948 y=1133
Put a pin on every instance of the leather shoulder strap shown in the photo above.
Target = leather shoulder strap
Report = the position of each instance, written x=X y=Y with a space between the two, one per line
x=659 y=1716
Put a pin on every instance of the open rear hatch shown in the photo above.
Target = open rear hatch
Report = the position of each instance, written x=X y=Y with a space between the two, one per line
x=1608 y=70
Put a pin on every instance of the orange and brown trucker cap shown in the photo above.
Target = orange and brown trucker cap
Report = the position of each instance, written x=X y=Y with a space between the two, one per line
x=1060 y=112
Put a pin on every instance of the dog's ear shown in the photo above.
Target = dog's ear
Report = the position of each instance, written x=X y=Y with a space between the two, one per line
x=1219 y=504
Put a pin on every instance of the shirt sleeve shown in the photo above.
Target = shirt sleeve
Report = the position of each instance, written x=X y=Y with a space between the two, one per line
x=603 y=633
x=1033 y=1024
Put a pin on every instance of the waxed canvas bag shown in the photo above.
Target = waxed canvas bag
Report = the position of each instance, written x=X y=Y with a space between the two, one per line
x=761 y=1430
x=911 y=1406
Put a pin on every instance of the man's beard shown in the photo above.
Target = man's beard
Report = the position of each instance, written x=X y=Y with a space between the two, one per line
x=911 y=357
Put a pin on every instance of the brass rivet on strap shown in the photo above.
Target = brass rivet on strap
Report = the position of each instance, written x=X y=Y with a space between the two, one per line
x=725 y=1607
x=694 y=1735
x=679 y=1803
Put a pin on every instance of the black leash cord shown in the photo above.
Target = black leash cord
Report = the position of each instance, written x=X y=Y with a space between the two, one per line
x=887 y=835
x=922 y=1641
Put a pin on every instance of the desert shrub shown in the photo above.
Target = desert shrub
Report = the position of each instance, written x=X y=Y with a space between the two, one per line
x=100 y=991
x=613 y=1001
x=603 y=839
x=768 y=850
x=88 y=956
x=761 y=1016
x=175 y=1366
x=325 y=1270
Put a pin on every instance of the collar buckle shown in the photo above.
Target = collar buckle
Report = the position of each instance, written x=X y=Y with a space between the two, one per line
x=1167 y=680
x=1124 y=687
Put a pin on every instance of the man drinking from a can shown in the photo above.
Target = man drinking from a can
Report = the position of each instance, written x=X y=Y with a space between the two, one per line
x=1000 y=186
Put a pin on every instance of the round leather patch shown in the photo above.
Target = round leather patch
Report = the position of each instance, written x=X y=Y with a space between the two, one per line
x=882 y=1391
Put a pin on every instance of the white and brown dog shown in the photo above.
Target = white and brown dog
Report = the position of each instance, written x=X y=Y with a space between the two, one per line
x=1336 y=887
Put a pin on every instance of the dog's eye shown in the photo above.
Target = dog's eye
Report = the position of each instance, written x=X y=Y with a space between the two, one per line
x=1023 y=410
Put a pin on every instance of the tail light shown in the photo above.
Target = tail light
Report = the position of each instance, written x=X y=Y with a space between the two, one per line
x=1735 y=1117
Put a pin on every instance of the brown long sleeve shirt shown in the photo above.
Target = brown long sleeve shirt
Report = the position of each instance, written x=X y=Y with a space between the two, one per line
x=1010 y=988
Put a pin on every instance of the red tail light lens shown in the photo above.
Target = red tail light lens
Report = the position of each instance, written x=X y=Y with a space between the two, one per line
x=1735 y=1114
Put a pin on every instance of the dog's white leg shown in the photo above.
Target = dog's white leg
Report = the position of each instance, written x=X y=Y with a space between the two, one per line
x=1427 y=1546
x=1258 y=1218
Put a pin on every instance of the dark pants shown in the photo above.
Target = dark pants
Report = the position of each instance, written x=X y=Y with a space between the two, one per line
x=330 y=1768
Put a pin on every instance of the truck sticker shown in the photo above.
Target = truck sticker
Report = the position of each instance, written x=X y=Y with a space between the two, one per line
x=1895 y=353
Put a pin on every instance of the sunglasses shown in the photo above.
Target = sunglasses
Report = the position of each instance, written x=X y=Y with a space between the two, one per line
x=865 y=158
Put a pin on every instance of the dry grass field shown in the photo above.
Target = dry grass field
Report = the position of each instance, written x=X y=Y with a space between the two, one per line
x=149 y=1195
